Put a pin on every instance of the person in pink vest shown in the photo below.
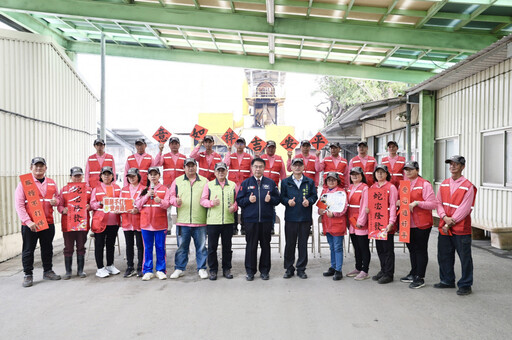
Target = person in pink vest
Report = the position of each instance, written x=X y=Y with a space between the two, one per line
x=72 y=237
x=455 y=201
x=422 y=202
x=152 y=204
x=47 y=191
x=335 y=163
x=140 y=160
x=309 y=161
x=130 y=222
x=206 y=159
x=395 y=163
x=274 y=165
x=365 y=162
x=172 y=162
x=96 y=162
x=104 y=224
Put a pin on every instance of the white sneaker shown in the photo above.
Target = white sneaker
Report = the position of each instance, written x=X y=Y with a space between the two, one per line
x=161 y=275
x=148 y=276
x=102 y=272
x=177 y=273
x=203 y=274
x=112 y=270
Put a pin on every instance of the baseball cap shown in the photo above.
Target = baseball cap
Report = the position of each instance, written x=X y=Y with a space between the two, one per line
x=99 y=141
x=304 y=142
x=332 y=174
x=271 y=143
x=174 y=139
x=392 y=142
x=412 y=165
x=221 y=165
x=241 y=139
x=107 y=169
x=209 y=137
x=140 y=140
x=357 y=170
x=457 y=159
x=189 y=160
x=362 y=143
x=297 y=160
x=132 y=171
x=76 y=171
x=154 y=168
x=382 y=167
x=36 y=160
x=335 y=144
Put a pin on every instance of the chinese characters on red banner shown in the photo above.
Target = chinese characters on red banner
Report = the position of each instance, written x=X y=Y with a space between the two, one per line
x=198 y=132
x=162 y=135
x=34 y=206
x=404 y=213
x=289 y=143
x=229 y=137
x=117 y=204
x=318 y=141
x=257 y=144
x=77 y=211
x=379 y=215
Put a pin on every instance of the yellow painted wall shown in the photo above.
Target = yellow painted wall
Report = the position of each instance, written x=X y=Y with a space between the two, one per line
x=277 y=134
x=216 y=123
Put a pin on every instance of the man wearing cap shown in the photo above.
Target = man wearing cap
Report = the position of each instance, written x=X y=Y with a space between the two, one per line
x=207 y=158
x=219 y=198
x=362 y=160
x=274 y=166
x=186 y=194
x=298 y=195
x=422 y=202
x=395 y=163
x=172 y=162
x=96 y=162
x=309 y=161
x=333 y=163
x=258 y=195
x=455 y=201
x=46 y=192
x=140 y=160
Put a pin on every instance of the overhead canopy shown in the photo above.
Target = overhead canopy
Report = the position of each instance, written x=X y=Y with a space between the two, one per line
x=395 y=40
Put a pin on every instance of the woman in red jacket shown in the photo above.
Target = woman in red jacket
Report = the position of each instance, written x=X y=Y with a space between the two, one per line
x=334 y=227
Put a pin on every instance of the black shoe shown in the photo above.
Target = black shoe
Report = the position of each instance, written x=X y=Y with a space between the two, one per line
x=264 y=276
x=464 y=291
x=249 y=277
x=417 y=283
x=227 y=274
x=407 y=279
x=385 y=279
x=302 y=275
x=288 y=274
x=50 y=275
x=378 y=276
x=213 y=276
x=140 y=273
x=329 y=272
x=337 y=275
x=28 y=280
x=443 y=285
x=129 y=272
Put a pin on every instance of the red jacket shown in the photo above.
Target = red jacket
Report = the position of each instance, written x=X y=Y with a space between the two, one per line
x=143 y=167
x=99 y=218
x=422 y=217
x=206 y=170
x=131 y=221
x=354 y=204
x=339 y=169
x=95 y=168
x=337 y=225
x=397 y=171
x=451 y=203
x=368 y=169
x=239 y=172
x=64 y=203
x=275 y=172
x=171 y=169
x=151 y=212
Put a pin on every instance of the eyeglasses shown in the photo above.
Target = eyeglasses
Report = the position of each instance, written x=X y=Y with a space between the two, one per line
x=258 y=166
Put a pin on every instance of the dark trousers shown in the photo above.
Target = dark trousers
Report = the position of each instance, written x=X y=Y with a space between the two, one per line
x=446 y=248
x=106 y=238
x=254 y=233
x=30 y=238
x=130 y=236
x=74 y=237
x=361 y=244
x=296 y=231
x=225 y=231
x=418 y=251
x=386 y=252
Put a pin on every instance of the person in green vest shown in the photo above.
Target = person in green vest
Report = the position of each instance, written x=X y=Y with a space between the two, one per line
x=186 y=193
x=219 y=197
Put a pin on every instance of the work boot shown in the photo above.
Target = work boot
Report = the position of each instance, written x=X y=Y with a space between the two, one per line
x=50 y=275
x=80 y=259
x=68 y=260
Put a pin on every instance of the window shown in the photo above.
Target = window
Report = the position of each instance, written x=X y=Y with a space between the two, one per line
x=445 y=148
x=497 y=158
x=399 y=136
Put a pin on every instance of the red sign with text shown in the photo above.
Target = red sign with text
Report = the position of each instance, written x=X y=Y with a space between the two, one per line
x=229 y=137
x=289 y=143
x=318 y=141
x=162 y=135
x=77 y=210
x=34 y=205
x=378 y=216
x=198 y=132
x=404 y=213
x=117 y=204
x=257 y=144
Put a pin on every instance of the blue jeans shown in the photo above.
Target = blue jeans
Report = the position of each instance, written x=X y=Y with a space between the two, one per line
x=184 y=234
x=336 y=247
x=446 y=248
x=158 y=238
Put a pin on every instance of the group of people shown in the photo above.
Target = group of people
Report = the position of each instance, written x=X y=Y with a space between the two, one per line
x=208 y=192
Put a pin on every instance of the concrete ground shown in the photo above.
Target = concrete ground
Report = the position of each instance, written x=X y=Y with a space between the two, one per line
x=320 y=308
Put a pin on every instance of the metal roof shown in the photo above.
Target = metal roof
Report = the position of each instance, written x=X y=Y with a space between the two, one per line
x=397 y=40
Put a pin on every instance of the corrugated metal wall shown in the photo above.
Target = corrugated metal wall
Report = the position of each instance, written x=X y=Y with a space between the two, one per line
x=465 y=109
x=39 y=88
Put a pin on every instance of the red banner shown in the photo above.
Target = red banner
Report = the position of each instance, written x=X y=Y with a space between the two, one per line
x=289 y=143
x=318 y=141
x=257 y=144
x=229 y=137
x=198 y=132
x=77 y=211
x=162 y=135
x=117 y=204
x=34 y=205
x=404 y=213
x=379 y=215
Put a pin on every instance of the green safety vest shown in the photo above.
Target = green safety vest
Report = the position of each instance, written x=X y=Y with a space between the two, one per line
x=220 y=214
x=190 y=211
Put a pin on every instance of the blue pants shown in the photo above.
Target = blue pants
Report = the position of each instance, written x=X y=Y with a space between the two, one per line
x=158 y=238
x=184 y=235
x=336 y=247
x=446 y=247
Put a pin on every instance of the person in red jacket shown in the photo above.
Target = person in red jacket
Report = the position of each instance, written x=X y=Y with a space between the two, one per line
x=130 y=222
x=72 y=237
x=455 y=201
x=394 y=163
x=140 y=160
x=362 y=160
x=334 y=227
x=172 y=162
x=335 y=163
x=274 y=166
x=422 y=202
x=153 y=203
x=206 y=159
x=96 y=162
x=309 y=161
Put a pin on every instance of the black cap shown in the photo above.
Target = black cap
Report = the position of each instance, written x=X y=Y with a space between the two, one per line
x=132 y=171
x=382 y=167
x=357 y=170
x=335 y=144
x=107 y=169
x=174 y=139
x=457 y=159
x=297 y=160
x=99 y=141
x=36 y=160
x=189 y=160
x=210 y=137
x=154 y=168
x=241 y=139
x=412 y=165
x=332 y=174
x=221 y=165
x=362 y=143
x=140 y=140
x=305 y=142
x=271 y=143
x=392 y=142
x=76 y=170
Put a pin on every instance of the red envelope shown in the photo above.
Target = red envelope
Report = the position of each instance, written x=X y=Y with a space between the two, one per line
x=162 y=135
x=289 y=143
x=318 y=141
x=198 y=132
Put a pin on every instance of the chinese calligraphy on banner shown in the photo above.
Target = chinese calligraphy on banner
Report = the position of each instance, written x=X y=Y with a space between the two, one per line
x=117 y=204
x=379 y=215
x=229 y=137
x=162 y=135
x=257 y=144
x=289 y=143
x=77 y=211
x=404 y=212
x=318 y=141
x=198 y=132
x=35 y=208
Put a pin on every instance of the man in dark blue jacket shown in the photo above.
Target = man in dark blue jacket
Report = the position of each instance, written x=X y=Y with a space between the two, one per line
x=257 y=197
x=298 y=195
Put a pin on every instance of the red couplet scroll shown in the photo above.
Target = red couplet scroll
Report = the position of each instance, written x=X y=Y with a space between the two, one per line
x=35 y=208
x=379 y=215
x=77 y=212
x=404 y=234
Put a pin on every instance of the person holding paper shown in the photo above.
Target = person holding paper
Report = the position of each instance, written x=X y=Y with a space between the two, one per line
x=334 y=226
x=207 y=158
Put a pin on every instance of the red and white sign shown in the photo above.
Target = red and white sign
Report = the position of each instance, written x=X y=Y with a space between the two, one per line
x=35 y=207
x=404 y=213
x=77 y=211
x=378 y=216
x=117 y=204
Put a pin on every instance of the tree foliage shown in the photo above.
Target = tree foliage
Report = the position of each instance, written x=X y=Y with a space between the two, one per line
x=342 y=93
